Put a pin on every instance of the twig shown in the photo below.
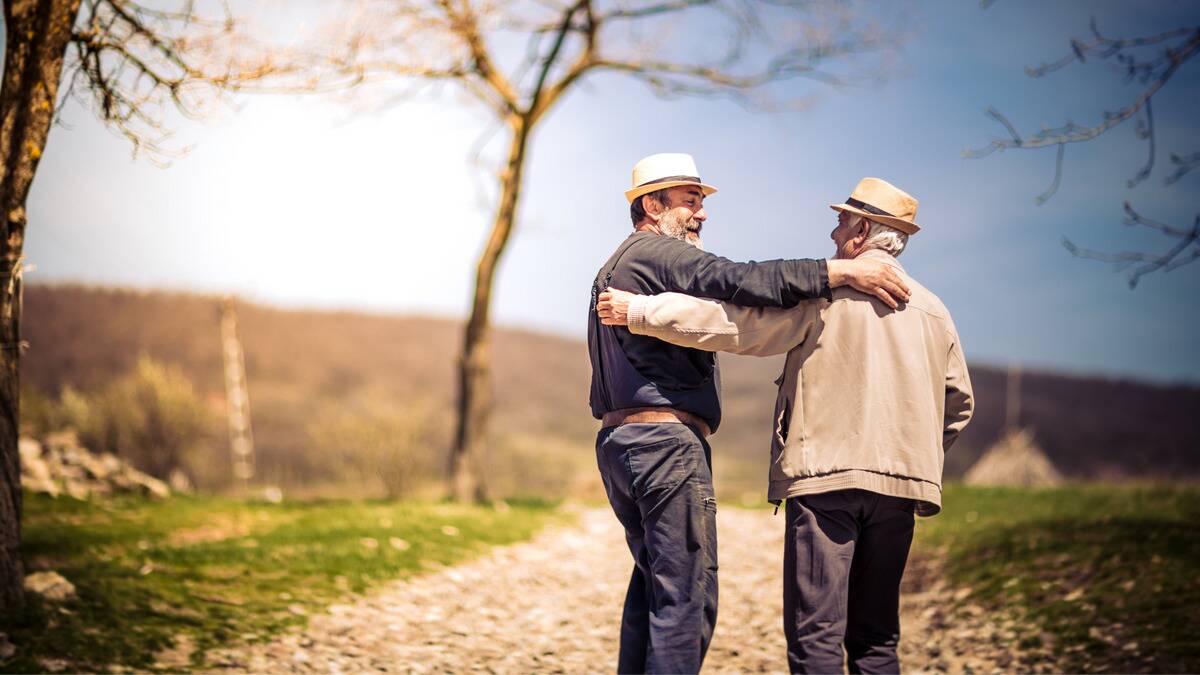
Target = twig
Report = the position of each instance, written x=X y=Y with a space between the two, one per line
x=1174 y=258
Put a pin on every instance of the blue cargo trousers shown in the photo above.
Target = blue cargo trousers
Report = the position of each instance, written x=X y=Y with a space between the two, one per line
x=658 y=478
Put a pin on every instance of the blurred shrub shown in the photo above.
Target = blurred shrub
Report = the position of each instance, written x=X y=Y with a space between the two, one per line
x=151 y=416
x=381 y=443
x=40 y=414
x=529 y=465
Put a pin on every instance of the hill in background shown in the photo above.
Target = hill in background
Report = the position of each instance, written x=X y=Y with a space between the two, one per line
x=303 y=364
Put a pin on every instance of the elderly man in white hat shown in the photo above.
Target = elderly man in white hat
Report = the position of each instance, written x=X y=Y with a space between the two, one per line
x=658 y=402
x=870 y=399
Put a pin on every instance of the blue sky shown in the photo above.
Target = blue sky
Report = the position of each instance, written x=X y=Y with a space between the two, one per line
x=300 y=202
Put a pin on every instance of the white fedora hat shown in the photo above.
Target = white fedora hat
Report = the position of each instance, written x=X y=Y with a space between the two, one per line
x=664 y=170
x=882 y=202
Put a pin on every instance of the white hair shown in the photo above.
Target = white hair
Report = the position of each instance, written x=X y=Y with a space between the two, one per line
x=880 y=236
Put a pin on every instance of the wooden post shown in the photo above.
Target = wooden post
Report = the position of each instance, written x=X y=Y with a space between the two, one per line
x=237 y=397
x=1012 y=407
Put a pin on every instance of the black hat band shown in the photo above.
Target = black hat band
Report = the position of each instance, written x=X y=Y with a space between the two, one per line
x=851 y=201
x=690 y=179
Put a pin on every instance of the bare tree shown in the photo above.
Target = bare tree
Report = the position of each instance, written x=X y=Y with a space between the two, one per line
x=131 y=63
x=1151 y=61
x=737 y=49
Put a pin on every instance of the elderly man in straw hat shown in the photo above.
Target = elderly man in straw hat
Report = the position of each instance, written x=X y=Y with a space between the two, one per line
x=870 y=399
x=658 y=402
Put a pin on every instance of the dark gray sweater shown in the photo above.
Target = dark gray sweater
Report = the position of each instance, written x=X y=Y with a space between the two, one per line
x=636 y=371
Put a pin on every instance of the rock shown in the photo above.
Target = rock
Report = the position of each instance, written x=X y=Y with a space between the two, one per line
x=96 y=467
x=35 y=470
x=149 y=485
x=178 y=481
x=29 y=449
x=44 y=486
x=60 y=464
x=178 y=657
x=52 y=586
x=7 y=649
x=112 y=463
x=54 y=665
x=77 y=489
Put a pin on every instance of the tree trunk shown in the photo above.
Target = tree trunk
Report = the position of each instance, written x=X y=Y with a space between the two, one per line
x=37 y=35
x=468 y=456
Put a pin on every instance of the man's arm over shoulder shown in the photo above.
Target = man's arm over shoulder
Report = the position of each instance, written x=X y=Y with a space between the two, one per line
x=960 y=401
x=721 y=326
x=774 y=283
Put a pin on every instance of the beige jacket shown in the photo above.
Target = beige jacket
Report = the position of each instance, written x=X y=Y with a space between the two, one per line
x=869 y=398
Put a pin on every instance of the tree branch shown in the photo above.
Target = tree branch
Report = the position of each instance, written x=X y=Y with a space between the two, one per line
x=1073 y=133
x=1174 y=258
x=1058 y=170
x=653 y=10
x=1103 y=47
x=1183 y=165
x=467 y=28
x=584 y=62
x=552 y=56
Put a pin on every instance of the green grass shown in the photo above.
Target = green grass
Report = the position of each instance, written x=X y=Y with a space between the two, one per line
x=1098 y=568
x=221 y=571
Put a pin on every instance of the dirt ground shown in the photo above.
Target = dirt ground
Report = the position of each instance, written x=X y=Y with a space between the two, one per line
x=553 y=605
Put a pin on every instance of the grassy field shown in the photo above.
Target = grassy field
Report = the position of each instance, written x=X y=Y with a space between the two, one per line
x=217 y=571
x=1110 y=576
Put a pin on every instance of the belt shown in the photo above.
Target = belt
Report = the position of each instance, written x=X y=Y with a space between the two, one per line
x=654 y=415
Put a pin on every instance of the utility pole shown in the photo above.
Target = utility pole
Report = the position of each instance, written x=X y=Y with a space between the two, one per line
x=237 y=397
x=1013 y=399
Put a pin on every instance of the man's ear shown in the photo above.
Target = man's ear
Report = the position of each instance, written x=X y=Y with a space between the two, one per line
x=652 y=207
x=862 y=231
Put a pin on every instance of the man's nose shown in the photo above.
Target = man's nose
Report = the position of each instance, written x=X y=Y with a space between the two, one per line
x=700 y=215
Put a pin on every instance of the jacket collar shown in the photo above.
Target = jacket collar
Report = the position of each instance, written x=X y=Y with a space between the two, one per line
x=883 y=257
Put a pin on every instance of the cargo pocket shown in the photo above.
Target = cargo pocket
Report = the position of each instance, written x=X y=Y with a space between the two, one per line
x=663 y=465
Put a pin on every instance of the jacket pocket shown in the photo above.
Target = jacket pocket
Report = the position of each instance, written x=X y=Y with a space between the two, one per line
x=782 y=422
x=782 y=409
x=783 y=414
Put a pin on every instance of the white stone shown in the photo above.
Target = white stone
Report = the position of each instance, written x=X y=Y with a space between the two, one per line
x=52 y=586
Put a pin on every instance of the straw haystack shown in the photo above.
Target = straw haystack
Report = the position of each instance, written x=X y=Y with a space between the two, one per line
x=1015 y=459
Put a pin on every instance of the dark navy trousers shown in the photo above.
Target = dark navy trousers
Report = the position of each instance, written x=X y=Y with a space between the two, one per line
x=844 y=555
x=658 y=478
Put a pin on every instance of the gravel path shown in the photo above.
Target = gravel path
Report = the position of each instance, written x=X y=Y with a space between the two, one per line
x=553 y=605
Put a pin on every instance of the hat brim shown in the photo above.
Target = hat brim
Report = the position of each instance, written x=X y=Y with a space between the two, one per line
x=646 y=189
x=904 y=226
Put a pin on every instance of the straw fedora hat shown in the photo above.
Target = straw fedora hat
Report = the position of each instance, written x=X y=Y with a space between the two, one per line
x=882 y=202
x=664 y=170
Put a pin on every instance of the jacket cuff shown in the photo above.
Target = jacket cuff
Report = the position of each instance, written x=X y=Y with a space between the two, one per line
x=637 y=313
x=823 y=280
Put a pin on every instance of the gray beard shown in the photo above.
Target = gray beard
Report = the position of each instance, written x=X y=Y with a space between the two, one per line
x=676 y=227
